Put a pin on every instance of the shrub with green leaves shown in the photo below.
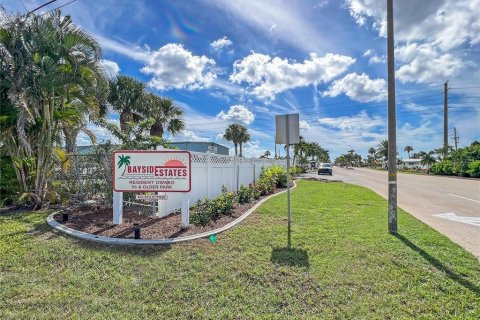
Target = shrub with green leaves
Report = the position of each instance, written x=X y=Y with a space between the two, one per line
x=474 y=169
x=277 y=174
x=212 y=209
x=246 y=194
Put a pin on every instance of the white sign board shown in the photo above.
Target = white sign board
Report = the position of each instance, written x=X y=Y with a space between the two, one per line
x=290 y=121
x=152 y=171
x=150 y=197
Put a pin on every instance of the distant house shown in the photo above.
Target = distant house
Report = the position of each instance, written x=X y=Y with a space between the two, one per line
x=201 y=146
x=196 y=146
x=413 y=164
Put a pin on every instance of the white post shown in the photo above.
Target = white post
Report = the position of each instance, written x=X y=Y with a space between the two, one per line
x=117 y=207
x=209 y=175
x=234 y=172
x=252 y=162
x=185 y=210
x=162 y=207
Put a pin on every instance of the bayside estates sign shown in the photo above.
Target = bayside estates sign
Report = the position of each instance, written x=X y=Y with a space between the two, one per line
x=152 y=171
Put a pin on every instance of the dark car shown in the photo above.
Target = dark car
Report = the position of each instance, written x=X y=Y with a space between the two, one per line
x=325 y=168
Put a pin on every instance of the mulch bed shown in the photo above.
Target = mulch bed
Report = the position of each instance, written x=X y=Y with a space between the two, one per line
x=98 y=221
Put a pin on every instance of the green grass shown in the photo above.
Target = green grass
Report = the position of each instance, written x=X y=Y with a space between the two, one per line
x=344 y=265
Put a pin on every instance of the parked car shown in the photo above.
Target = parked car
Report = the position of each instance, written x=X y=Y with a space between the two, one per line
x=325 y=168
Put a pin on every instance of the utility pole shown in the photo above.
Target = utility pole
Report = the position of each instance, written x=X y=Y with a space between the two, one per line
x=392 y=126
x=445 y=117
x=455 y=138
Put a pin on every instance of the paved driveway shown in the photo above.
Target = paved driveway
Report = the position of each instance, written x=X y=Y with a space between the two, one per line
x=449 y=205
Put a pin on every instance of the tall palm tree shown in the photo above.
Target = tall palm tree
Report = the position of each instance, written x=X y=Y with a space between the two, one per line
x=408 y=149
x=232 y=133
x=167 y=116
x=127 y=96
x=244 y=138
x=382 y=149
x=43 y=60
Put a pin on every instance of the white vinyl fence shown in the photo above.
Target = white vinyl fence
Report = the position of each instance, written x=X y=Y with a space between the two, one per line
x=209 y=173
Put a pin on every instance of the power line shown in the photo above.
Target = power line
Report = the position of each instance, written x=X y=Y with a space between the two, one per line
x=59 y=7
x=40 y=7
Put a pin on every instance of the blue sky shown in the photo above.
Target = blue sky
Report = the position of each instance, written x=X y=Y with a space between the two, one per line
x=246 y=61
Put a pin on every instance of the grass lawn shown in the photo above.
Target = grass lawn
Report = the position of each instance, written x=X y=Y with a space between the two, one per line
x=344 y=265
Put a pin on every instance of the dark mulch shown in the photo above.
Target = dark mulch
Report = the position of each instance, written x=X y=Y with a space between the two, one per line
x=98 y=221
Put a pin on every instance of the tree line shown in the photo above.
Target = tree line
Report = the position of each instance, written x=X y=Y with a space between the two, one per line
x=463 y=162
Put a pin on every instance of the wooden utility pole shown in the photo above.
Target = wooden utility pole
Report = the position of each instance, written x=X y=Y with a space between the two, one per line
x=392 y=126
x=455 y=138
x=445 y=117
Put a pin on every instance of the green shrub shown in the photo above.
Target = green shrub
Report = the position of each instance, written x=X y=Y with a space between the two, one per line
x=266 y=185
x=201 y=213
x=225 y=203
x=474 y=169
x=297 y=170
x=276 y=174
x=245 y=194
x=207 y=210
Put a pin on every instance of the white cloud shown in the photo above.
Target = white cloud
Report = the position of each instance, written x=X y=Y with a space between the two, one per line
x=424 y=64
x=252 y=149
x=126 y=49
x=377 y=59
x=237 y=113
x=174 y=67
x=111 y=68
x=368 y=53
x=360 y=123
x=282 y=19
x=268 y=76
x=359 y=88
x=431 y=35
x=188 y=135
x=221 y=43
x=446 y=23
x=304 y=124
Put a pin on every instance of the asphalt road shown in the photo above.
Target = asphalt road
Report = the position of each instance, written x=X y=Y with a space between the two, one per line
x=449 y=205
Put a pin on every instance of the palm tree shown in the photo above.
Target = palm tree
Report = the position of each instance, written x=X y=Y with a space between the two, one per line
x=266 y=154
x=244 y=138
x=382 y=149
x=44 y=61
x=372 y=152
x=127 y=96
x=167 y=116
x=408 y=149
x=428 y=159
x=238 y=134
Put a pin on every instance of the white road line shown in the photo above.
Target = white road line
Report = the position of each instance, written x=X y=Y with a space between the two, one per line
x=454 y=195
x=475 y=221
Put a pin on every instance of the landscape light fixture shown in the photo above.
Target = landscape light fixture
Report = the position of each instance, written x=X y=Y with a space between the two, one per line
x=136 y=231
x=65 y=215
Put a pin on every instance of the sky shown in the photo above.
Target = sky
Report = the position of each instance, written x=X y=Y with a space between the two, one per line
x=246 y=61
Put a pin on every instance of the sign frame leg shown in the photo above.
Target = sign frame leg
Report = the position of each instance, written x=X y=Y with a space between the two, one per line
x=185 y=210
x=117 y=207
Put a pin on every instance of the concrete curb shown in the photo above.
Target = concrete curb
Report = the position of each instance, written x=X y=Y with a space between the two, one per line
x=167 y=241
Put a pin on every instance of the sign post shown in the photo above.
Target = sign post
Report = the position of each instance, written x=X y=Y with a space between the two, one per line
x=151 y=171
x=288 y=132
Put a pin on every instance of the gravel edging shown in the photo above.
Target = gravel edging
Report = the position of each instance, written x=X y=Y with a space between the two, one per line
x=166 y=241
